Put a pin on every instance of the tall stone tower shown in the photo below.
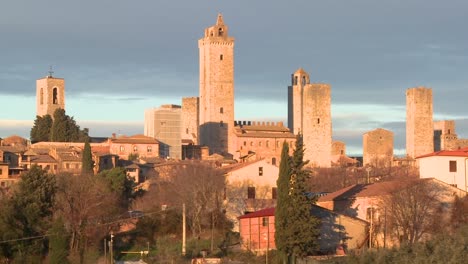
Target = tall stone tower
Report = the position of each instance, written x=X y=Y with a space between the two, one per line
x=50 y=95
x=309 y=112
x=419 y=122
x=377 y=146
x=217 y=89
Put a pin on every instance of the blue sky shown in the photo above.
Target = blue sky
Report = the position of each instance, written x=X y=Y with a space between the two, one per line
x=120 y=57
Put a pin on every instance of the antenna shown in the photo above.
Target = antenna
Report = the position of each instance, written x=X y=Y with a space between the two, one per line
x=50 y=72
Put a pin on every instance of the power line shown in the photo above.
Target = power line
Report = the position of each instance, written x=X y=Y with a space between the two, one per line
x=23 y=238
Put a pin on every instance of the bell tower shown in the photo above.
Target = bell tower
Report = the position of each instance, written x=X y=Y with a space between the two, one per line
x=50 y=95
x=216 y=51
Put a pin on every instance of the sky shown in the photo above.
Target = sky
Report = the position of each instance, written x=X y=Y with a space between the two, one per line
x=120 y=57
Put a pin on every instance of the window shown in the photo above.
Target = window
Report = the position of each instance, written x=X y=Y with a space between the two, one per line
x=453 y=166
x=149 y=149
x=251 y=192
x=303 y=80
x=273 y=161
x=295 y=80
x=318 y=120
x=186 y=131
x=221 y=57
x=221 y=110
x=259 y=143
x=135 y=148
x=260 y=171
x=267 y=143
x=42 y=96
x=67 y=165
x=104 y=161
x=264 y=221
x=54 y=96
x=274 y=193
x=245 y=143
x=251 y=143
x=1 y=171
x=220 y=32
x=122 y=148
x=221 y=124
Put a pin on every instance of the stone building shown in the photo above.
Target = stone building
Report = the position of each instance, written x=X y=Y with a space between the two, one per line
x=419 y=122
x=50 y=95
x=309 y=112
x=445 y=136
x=190 y=115
x=378 y=148
x=165 y=124
x=261 y=140
x=216 y=51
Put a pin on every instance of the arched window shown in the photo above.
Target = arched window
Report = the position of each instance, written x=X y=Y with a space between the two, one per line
x=295 y=80
x=303 y=80
x=220 y=32
x=267 y=143
x=273 y=161
x=221 y=110
x=54 y=96
x=221 y=57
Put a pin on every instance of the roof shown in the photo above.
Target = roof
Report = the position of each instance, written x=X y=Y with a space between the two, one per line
x=368 y=190
x=448 y=153
x=238 y=166
x=43 y=158
x=135 y=139
x=260 y=213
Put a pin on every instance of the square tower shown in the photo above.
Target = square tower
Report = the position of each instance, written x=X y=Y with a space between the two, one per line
x=216 y=50
x=50 y=95
x=309 y=112
x=419 y=122
x=378 y=148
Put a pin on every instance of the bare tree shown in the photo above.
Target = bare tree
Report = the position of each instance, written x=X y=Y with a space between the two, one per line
x=410 y=211
x=201 y=188
x=84 y=202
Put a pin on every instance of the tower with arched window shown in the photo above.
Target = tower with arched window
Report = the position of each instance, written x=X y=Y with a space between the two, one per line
x=216 y=109
x=50 y=95
x=309 y=112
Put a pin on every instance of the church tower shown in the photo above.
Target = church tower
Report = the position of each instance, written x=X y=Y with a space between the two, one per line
x=50 y=95
x=309 y=112
x=216 y=51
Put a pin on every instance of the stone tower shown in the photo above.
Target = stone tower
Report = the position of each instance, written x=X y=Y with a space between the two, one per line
x=216 y=126
x=419 y=122
x=50 y=95
x=309 y=112
x=378 y=148
x=445 y=137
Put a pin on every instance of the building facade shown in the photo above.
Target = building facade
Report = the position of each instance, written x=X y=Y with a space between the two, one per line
x=309 y=112
x=165 y=124
x=216 y=120
x=378 y=148
x=50 y=95
x=190 y=115
x=419 y=122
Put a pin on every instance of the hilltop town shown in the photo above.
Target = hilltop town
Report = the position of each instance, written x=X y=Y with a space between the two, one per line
x=226 y=170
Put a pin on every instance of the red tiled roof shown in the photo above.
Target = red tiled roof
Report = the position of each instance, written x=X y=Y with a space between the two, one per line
x=264 y=212
x=368 y=190
x=451 y=153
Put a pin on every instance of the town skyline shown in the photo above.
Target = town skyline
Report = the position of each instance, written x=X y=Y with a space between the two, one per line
x=121 y=61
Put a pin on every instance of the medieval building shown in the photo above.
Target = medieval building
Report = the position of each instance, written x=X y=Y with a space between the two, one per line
x=50 y=95
x=309 y=113
x=419 y=122
x=378 y=148
x=216 y=119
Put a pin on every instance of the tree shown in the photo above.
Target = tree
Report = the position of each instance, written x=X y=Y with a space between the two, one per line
x=41 y=129
x=282 y=204
x=412 y=209
x=87 y=159
x=65 y=129
x=58 y=242
x=302 y=230
x=85 y=203
x=120 y=184
x=27 y=213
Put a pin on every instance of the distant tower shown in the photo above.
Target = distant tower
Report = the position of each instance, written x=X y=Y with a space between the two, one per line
x=50 y=95
x=445 y=137
x=217 y=89
x=419 y=122
x=309 y=112
x=378 y=148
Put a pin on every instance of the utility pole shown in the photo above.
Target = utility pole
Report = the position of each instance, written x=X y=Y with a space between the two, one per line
x=111 y=249
x=105 y=250
x=183 y=229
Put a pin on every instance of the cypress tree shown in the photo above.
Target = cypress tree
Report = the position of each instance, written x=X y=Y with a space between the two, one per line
x=58 y=243
x=41 y=130
x=87 y=159
x=282 y=202
x=303 y=229
x=59 y=130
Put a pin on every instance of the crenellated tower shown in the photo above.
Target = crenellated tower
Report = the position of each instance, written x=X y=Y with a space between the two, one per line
x=216 y=51
x=50 y=95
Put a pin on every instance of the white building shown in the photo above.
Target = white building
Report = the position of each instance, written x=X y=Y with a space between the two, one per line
x=449 y=166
